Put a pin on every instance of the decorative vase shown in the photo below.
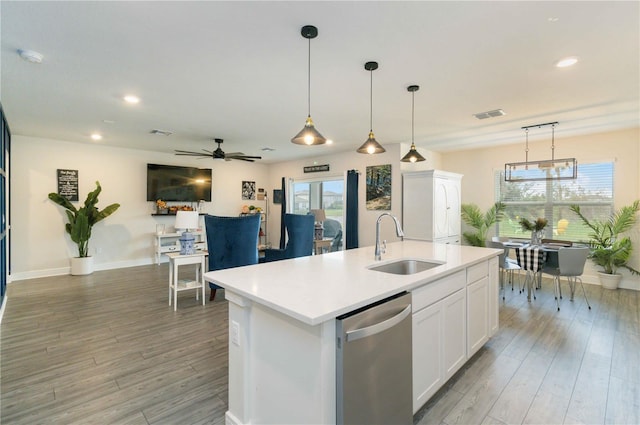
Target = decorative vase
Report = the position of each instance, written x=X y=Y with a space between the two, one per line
x=536 y=237
x=609 y=281
x=81 y=266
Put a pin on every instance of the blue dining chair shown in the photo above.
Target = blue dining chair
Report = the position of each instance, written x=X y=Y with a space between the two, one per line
x=299 y=238
x=231 y=242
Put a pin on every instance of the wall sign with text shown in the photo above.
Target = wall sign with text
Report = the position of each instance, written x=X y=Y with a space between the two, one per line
x=316 y=168
x=68 y=184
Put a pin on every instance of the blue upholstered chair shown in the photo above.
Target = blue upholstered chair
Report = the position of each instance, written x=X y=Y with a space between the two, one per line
x=300 y=238
x=231 y=242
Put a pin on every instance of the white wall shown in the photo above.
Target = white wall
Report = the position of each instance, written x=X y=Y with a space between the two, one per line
x=340 y=163
x=40 y=245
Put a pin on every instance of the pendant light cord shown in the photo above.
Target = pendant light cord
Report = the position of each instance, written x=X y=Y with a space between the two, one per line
x=413 y=111
x=309 y=80
x=371 y=102
x=553 y=146
x=526 y=150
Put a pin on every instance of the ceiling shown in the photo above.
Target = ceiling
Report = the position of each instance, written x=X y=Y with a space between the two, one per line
x=238 y=71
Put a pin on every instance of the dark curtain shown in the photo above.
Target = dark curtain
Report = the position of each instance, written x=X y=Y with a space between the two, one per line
x=283 y=211
x=351 y=226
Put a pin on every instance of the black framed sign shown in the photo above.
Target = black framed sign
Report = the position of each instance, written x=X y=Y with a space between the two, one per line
x=68 y=184
x=316 y=168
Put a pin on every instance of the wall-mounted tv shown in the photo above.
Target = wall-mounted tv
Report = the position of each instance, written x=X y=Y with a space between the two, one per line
x=173 y=183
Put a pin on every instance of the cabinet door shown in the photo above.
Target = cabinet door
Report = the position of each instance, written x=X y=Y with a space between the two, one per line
x=416 y=207
x=427 y=354
x=454 y=309
x=440 y=209
x=494 y=296
x=453 y=207
x=477 y=315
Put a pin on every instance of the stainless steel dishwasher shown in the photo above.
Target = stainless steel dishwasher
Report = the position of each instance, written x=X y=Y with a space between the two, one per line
x=373 y=364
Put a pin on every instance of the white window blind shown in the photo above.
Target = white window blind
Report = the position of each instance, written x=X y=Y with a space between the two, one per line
x=592 y=190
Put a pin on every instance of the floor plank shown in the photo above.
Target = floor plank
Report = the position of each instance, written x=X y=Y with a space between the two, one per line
x=108 y=348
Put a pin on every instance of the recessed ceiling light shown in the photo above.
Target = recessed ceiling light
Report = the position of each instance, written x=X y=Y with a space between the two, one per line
x=131 y=99
x=553 y=19
x=570 y=61
x=96 y=136
x=108 y=121
x=30 y=56
x=329 y=142
x=267 y=149
x=161 y=132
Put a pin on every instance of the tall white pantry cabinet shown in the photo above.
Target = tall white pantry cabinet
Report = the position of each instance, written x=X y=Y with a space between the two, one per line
x=431 y=206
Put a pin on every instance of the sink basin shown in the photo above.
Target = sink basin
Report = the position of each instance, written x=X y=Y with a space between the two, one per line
x=405 y=267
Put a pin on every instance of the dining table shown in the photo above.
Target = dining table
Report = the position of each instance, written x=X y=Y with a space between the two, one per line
x=532 y=258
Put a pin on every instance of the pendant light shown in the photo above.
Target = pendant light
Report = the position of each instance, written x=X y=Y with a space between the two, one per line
x=371 y=145
x=413 y=155
x=309 y=135
x=542 y=170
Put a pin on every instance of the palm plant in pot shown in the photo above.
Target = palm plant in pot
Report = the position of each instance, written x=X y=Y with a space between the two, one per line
x=473 y=217
x=81 y=221
x=608 y=249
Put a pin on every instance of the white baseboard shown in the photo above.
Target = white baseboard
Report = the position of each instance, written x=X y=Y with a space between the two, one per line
x=34 y=274
x=4 y=303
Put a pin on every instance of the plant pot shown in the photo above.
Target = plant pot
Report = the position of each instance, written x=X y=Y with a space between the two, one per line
x=609 y=281
x=81 y=266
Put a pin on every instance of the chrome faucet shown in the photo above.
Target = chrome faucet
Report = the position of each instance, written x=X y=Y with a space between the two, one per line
x=399 y=232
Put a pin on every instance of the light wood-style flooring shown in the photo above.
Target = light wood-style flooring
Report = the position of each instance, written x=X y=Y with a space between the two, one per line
x=108 y=349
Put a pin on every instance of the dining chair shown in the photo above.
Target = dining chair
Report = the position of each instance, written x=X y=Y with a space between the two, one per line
x=300 y=231
x=231 y=242
x=571 y=261
x=333 y=230
x=506 y=267
x=531 y=259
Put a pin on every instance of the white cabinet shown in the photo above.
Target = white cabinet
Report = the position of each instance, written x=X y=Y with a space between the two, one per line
x=431 y=206
x=494 y=296
x=477 y=307
x=439 y=339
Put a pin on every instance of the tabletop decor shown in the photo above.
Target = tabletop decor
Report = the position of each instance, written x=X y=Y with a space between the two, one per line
x=608 y=249
x=536 y=228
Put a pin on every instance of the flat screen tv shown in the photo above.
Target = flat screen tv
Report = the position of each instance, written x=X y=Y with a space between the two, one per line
x=174 y=183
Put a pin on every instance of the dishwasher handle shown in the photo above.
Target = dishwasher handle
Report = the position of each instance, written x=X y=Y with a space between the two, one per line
x=378 y=327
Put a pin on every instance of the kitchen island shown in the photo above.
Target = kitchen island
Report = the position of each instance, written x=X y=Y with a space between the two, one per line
x=282 y=323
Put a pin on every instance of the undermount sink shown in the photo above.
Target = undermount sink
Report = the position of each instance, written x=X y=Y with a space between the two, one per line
x=405 y=266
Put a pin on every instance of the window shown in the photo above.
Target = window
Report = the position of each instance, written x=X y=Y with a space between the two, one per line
x=592 y=190
x=319 y=194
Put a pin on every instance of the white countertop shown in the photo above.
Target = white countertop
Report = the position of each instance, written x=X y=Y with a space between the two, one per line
x=321 y=287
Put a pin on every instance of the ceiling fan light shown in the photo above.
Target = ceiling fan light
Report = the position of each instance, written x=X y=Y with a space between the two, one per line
x=371 y=146
x=309 y=135
x=413 y=155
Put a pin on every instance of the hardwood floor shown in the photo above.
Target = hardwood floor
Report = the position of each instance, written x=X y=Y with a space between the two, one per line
x=107 y=348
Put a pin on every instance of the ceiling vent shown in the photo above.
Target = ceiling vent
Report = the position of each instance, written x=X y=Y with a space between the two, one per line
x=161 y=132
x=490 y=114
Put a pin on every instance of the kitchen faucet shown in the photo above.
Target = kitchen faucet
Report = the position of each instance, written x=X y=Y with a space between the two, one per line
x=399 y=233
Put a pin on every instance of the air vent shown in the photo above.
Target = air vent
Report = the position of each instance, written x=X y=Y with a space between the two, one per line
x=490 y=114
x=161 y=132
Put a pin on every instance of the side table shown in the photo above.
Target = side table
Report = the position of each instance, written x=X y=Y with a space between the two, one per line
x=175 y=285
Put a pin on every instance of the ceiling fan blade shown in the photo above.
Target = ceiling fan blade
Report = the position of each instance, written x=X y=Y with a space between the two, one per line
x=243 y=157
x=187 y=153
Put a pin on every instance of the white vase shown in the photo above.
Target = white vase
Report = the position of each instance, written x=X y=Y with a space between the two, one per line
x=81 y=266
x=609 y=281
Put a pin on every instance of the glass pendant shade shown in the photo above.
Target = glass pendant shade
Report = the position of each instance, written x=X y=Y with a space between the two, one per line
x=413 y=155
x=371 y=146
x=309 y=135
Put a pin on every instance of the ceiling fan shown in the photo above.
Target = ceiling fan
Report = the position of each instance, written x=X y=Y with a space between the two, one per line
x=219 y=154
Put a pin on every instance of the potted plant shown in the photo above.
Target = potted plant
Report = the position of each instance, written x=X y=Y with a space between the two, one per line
x=81 y=220
x=473 y=217
x=608 y=249
x=536 y=228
